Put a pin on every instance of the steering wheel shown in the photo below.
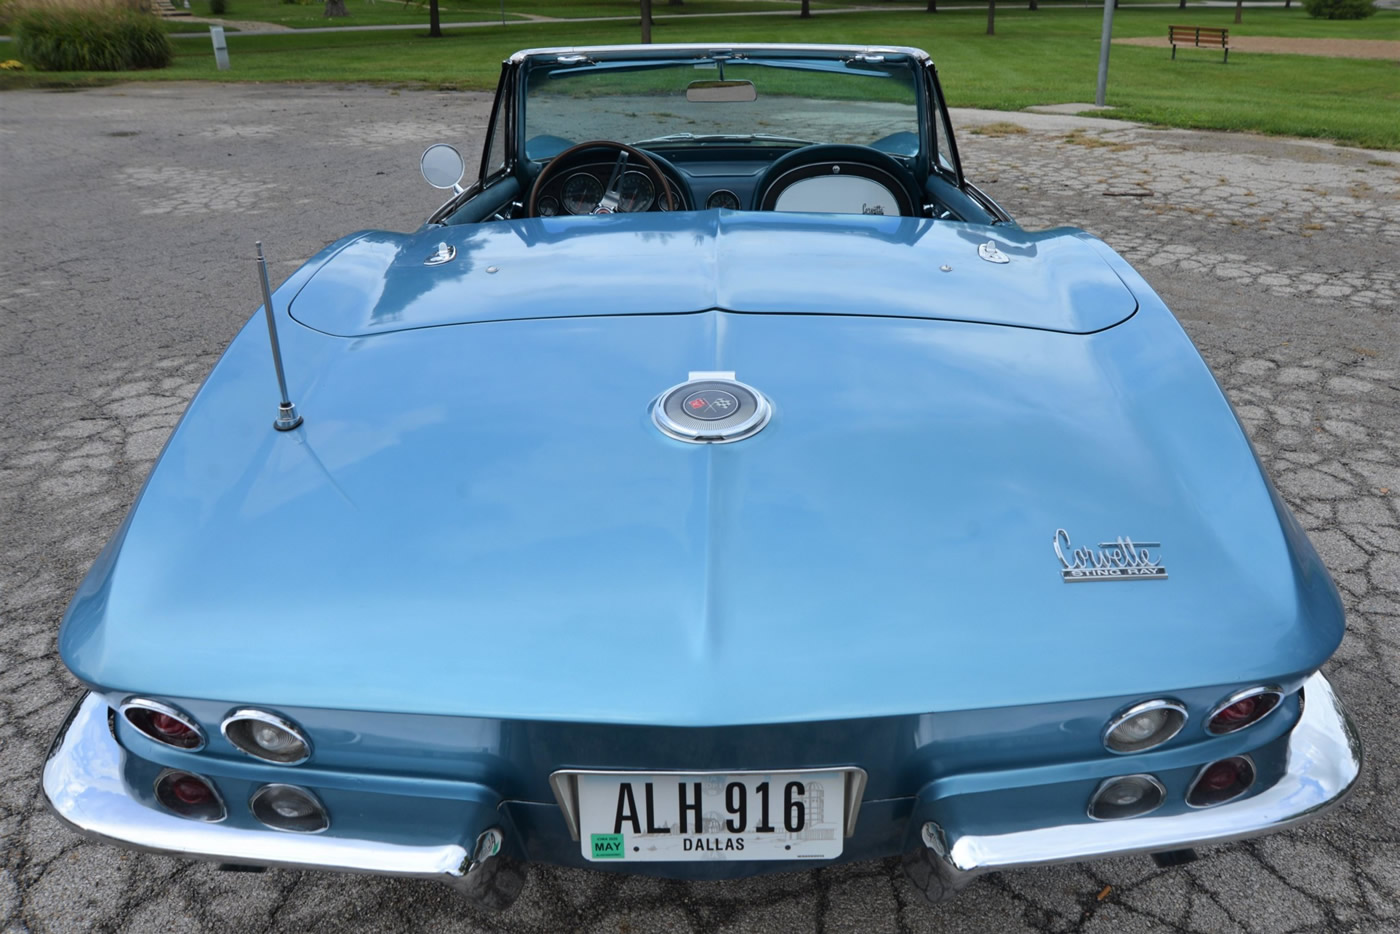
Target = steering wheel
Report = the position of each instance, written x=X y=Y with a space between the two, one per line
x=609 y=202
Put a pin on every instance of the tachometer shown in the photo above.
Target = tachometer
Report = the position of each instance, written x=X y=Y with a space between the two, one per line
x=635 y=192
x=723 y=198
x=582 y=192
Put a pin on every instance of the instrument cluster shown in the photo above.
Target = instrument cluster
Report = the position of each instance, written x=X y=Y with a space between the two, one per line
x=581 y=190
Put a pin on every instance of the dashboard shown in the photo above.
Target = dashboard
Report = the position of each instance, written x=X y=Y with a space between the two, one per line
x=697 y=186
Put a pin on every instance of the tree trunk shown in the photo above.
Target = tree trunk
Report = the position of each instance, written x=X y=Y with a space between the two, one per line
x=932 y=6
x=335 y=8
x=1239 y=10
x=646 y=22
x=434 y=20
x=806 y=9
x=1034 y=5
x=991 y=17
x=1181 y=5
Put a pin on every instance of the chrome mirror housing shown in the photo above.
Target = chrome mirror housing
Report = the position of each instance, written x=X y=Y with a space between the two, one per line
x=443 y=167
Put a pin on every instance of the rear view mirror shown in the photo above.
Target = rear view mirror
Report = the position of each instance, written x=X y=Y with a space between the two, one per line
x=720 y=92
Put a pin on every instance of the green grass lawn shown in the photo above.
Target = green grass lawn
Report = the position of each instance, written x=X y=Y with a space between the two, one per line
x=1035 y=58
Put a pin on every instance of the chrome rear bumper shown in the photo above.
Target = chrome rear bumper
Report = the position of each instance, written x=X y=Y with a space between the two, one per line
x=1323 y=761
x=82 y=783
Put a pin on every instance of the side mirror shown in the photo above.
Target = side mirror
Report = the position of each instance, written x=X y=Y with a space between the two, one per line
x=720 y=92
x=443 y=167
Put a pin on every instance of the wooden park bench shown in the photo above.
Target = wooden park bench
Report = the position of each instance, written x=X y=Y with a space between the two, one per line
x=1203 y=37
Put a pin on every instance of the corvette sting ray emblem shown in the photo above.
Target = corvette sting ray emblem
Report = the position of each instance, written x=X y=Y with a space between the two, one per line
x=711 y=408
x=1120 y=560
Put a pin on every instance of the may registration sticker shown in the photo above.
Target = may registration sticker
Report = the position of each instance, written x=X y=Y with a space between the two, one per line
x=635 y=817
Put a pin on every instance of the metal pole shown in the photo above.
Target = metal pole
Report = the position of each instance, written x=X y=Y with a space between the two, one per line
x=1103 y=52
x=287 y=417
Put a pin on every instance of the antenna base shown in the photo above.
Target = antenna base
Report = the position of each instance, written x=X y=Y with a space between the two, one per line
x=287 y=417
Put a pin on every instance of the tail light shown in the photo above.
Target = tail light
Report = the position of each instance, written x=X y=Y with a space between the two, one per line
x=1126 y=796
x=1144 y=726
x=1221 y=781
x=164 y=723
x=287 y=807
x=267 y=736
x=1242 y=709
x=190 y=795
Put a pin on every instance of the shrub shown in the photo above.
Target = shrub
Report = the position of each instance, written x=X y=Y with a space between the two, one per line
x=1339 y=9
x=90 y=38
x=218 y=7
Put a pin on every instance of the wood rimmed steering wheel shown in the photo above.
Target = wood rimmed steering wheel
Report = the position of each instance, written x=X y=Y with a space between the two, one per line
x=564 y=158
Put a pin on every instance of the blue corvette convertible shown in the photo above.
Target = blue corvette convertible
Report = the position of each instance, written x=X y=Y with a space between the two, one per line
x=719 y=483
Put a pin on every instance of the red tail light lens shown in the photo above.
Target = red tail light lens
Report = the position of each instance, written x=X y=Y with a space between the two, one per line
x=190 y=795
x=164 y=723
x=1221 y=781
x=191 y=790
x=1242 y=709
x=167 y=725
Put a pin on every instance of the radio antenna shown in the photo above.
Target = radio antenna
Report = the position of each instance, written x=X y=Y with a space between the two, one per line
x=287 y=417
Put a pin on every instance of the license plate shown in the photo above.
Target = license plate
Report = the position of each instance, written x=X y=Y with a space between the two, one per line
x=635 y=817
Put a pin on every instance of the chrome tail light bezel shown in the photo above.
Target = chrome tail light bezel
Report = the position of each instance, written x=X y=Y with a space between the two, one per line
x=168 y=776
x=1272 y=691
x=258 y=797
x=1201 y=774
x=1178 y=709
x=1108 y=783
x=232 y=729
x=133 y=708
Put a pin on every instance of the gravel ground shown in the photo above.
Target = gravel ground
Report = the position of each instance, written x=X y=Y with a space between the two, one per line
x=129 y=216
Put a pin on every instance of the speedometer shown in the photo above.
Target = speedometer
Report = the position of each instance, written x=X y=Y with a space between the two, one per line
x=582 y=192
x=635 y=192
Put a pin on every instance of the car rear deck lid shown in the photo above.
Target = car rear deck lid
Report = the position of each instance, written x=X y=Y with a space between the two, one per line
x=685 y=262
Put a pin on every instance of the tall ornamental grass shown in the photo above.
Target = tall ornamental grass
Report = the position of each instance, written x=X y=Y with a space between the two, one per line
x=88 y=35
x=1340 y=9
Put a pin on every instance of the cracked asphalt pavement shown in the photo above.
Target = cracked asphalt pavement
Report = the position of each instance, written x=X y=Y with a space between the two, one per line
x=129 y=216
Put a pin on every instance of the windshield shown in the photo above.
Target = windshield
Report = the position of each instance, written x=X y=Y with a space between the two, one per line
x=792 y=101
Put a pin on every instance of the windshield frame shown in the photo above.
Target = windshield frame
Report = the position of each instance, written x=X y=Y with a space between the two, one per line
x=664 y=55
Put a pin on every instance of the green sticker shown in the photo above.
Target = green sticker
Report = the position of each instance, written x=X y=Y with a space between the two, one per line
x=608 y=846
